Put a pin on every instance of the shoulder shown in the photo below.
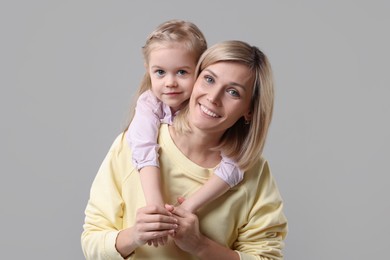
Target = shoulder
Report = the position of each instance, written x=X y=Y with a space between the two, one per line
x=118 y=156
x=165 y=139
x=148 y=103
x=148 y=97
x=260 y=184
x=258 y=171
x=263 y=199
x=118 y=146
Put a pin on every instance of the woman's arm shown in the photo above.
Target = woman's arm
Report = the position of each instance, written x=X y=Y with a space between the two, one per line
x=263 y=234
x=104 y=209
x=104 y=235
x=260 y=236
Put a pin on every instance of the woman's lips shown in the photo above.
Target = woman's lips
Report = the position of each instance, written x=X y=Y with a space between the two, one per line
x=209 y=112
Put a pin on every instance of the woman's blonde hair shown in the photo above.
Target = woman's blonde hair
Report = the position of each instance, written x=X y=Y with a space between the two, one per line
x=242 y=142
x=170 y=32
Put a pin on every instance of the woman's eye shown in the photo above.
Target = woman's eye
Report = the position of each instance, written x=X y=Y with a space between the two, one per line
x=209 y=79
x=182 y=72
x=160 y=72
x=233 y=92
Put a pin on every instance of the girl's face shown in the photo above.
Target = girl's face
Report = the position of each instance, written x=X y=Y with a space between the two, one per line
x=172 y=73
x=221 y=95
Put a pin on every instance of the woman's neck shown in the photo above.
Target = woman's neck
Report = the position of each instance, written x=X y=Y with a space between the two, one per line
x=198 y=147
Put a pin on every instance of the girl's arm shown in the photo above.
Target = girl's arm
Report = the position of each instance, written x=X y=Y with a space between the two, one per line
x=142 y=138
x=209 y=191
x=151 y=185
x=225 y=177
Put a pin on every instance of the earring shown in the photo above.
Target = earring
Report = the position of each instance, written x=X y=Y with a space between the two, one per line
x=247 y=122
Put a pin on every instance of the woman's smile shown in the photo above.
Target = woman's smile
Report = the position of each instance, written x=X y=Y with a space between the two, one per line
x=208 y=111
x=221 y=95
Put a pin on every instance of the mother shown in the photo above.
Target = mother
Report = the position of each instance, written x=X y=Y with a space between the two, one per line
x=229 y=111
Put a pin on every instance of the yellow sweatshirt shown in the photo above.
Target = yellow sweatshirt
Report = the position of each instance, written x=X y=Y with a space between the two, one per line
x=248 y=218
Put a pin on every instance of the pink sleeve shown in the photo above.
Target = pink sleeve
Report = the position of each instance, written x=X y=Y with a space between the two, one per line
x=229 y=172
x=143 y=131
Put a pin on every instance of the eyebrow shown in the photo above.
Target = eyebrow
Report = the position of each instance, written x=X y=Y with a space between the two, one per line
x=230 y=83
x=159 y=67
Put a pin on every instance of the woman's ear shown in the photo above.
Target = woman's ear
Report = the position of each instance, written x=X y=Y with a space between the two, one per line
x=248 y=116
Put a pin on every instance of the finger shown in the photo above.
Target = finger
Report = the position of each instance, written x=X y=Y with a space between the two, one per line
x=154 y=209
x=165 y=239
x=169 y=207
x=156 y=218
x=154 y=237
x=157 y=226
x=181 y=212
x=155 y=242
x=161 y=241
x=180 y=200
x=173 y=234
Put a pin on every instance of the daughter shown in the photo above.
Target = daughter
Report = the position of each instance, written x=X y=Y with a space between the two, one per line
x=171 y=53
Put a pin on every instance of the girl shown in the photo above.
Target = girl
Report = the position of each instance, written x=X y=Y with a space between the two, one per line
x=171 y=53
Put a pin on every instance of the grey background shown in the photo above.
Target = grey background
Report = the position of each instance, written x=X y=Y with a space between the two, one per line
x=69 y=69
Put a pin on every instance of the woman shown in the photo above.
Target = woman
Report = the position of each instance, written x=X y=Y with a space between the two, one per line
x=229 y=111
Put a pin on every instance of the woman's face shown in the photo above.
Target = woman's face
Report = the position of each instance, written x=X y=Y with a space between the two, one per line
x=221 y=95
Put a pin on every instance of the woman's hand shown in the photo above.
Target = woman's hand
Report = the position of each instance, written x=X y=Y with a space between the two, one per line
x=152 y=223
x=187 y=236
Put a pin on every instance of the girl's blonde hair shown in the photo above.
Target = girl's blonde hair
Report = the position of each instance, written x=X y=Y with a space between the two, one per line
x=173 y=32
x=170 y=32
x=242 y=142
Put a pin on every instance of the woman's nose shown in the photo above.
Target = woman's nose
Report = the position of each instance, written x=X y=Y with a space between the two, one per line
x=214 y=97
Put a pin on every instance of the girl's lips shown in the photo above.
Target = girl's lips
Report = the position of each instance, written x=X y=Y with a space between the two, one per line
x=208 y=111
x=172 y=93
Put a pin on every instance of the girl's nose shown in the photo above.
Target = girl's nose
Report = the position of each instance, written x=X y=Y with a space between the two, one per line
x=171 y=82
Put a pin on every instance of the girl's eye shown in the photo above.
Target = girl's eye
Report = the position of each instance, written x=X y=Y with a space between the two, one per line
x=209 y=79
x=160 y=72
x=233 y=92
x=182 y=72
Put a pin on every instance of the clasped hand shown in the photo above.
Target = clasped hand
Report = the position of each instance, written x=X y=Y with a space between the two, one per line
x=187 y=236
x=154 y=224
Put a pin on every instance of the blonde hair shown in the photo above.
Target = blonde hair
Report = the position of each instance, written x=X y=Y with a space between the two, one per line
x=173 y=32
x=242 y=142
x=170 y=32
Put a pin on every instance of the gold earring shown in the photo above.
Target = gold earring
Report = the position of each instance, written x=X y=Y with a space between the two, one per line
x=247 y=122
